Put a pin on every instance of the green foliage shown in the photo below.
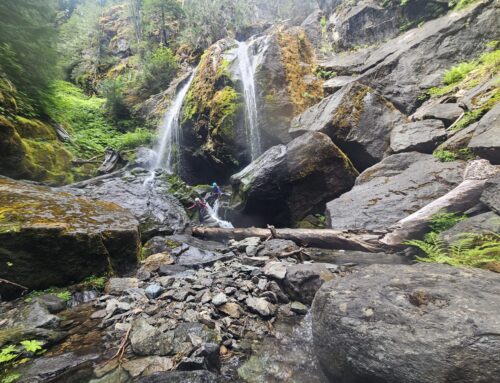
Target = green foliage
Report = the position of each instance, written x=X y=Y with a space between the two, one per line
x=27 y=48
x=160 y=67
x=94 y=282
x=444 y=221
x=64 y=295
x=460 y=4
x=113 y=91
x=457 y=73
x=59 y=292
x=445 y=155
x=471 y=250
x=10 y=378
x=32 y=346
x=324 y=73
x=8 y=353
x=91 y=130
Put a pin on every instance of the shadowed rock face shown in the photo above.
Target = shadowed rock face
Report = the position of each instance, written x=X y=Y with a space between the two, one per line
x=486 y=139
x=404 y=67
x=409 y=324
x=394 y=188
x=50 y=238
x=357 y=119
x=288 y=182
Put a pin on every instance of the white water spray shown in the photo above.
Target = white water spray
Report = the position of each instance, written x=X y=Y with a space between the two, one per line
x=168 y=146
x=213 y=212
x=247 y=77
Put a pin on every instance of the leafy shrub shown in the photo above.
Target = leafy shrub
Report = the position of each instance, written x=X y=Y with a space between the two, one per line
x=32 y=346
x=94 y=282
x=457 y=73
x=159 y=69
x=445 y=155
x=116 y=107
x=444 y=221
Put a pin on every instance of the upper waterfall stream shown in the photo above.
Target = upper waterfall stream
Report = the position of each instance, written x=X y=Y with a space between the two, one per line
x=247 y=78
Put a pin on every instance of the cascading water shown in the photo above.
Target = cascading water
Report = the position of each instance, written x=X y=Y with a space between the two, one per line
x=170 y=133
x=247 y=78
x=213 y=212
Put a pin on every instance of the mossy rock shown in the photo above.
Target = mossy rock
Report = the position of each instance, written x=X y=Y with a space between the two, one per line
x=50 y=238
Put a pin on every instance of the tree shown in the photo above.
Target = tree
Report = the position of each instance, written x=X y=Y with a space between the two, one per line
x=27 y=47
x=162 y=15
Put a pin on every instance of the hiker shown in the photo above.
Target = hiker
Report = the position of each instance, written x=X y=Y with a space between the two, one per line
x=202 y=208
x=216 y=192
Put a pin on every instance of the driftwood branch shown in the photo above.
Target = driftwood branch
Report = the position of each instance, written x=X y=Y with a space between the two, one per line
x=465 y=196
x=13 y=284
x=322 y=238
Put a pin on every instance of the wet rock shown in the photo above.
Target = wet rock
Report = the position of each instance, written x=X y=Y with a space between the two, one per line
x=53 y=303
x=299 y=308
x=181 y=377
x=36 y=315
x=448 y=113
x=157 y=211
x=148 y=340
x=287 y=182
x=153 y=291
x=276 y=289
x=148 y=366
x=260 y=306
x=304 y=280
x=357 y=119
x=91 y=236
x=486 y=139
x=205 y=358
x=219 y=299
x=44 y=369
x=491 y=196
x=452 y=313
x=153 y=262
x=277 y=247
x=352 y=257
x=117 y=286
x=254 y=261
x=336 y=83
x=420 y=136
x=275 y=270
x=373 y=203
x=119 y=374
x=176 y=295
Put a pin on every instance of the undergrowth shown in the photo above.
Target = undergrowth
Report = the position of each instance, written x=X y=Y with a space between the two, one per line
x=90 y=128
x=480 y=250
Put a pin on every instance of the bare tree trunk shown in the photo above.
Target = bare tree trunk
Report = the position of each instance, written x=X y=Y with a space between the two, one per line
x=323 y=238
x=463 y=197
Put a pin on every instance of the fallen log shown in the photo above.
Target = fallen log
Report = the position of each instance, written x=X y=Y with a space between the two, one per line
x=465 y=196
x=322 y=238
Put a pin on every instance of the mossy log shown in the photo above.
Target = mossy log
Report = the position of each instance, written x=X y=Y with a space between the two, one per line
x=322 y=238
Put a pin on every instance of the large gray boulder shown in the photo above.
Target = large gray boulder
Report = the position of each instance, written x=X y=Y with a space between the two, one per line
x=393 y=189
x=425 y=323
x=286 y=183
x=491 y=195
x=152 y=203
x=403 y=68
x=482 y=223
x=357 y=119
x=486 y=139
x=49 y=238
x=419 y=136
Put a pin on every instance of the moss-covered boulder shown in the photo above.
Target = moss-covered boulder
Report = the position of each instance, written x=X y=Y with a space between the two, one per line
x=287 y=183
x=357 y=118
x=29 y=148
x=51 y=238
x=214 y=143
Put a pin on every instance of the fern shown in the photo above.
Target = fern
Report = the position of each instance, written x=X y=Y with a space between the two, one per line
x=471 y=249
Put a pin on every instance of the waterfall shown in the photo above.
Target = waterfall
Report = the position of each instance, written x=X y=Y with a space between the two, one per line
x=213 y=212
x=247 y=77
x=170 y=131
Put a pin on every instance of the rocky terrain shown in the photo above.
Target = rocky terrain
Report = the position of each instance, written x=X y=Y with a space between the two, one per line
x=367 y=216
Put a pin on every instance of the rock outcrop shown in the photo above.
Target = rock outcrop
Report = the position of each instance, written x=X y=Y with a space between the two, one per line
x=420 y=136
x=51 y=238
x=409 y=324
x=393 y=189
x=357 y=119
x=288 y=182
x=486 y=139
x=403 y=68
x=152 y=204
